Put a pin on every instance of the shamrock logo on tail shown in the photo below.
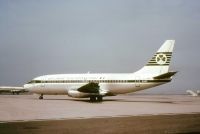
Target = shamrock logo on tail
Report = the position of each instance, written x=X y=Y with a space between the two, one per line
x=161 y=59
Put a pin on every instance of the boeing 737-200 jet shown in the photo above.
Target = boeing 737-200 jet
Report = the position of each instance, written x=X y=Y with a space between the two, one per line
x=97 y=86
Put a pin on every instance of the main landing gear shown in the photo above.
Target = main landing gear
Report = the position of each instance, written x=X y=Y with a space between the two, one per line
x=41 y=97
x=96 y=98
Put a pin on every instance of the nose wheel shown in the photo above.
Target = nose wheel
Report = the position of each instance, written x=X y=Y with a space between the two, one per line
x=41 y=97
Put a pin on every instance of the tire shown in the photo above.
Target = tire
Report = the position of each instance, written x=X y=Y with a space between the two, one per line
x=99 y=98
x=41 y=97
x=92 y=98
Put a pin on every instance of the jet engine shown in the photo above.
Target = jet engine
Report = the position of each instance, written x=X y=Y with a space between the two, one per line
x=77 y=94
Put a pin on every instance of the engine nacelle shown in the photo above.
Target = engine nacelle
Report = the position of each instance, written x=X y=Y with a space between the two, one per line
x=77 y=94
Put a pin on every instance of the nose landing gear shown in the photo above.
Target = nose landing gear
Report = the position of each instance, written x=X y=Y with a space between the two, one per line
x=41 y=97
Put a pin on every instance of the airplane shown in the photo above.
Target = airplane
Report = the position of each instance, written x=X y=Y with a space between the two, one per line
x=13 y=90
x=193 y=93
x=96 y=86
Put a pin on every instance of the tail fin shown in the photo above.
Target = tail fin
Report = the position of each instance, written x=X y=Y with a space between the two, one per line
x=159 y=63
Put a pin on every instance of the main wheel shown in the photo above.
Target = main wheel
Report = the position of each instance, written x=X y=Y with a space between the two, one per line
x=41 y=97
x=92 y=98
x=99 y=98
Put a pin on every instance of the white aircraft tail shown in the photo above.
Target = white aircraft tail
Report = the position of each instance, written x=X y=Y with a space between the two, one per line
x=159 y=63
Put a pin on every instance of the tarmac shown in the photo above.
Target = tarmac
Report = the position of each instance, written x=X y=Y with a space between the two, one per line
x=19 y=108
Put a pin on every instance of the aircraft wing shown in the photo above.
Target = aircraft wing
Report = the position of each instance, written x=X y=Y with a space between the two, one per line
x=90 y=88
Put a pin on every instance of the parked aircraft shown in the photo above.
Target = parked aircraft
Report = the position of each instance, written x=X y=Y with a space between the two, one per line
x=96 y=86
x=13 y=90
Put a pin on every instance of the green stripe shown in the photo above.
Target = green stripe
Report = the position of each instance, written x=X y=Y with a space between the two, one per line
x=149 y=81
x=154 y=59
x=153 y=62
x=99 y=81
x=157 y=63
x=166 y=56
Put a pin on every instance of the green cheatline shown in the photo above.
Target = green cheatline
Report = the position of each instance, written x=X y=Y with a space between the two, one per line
x=98 y=81
x=156 y=61
x=164 y=53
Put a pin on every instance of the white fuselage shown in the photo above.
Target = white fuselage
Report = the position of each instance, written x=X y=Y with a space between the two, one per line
x=110 y=84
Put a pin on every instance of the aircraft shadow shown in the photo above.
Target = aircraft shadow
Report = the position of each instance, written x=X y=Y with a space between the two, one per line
x=114 y=100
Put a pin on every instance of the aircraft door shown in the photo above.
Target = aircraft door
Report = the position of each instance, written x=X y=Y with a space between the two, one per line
x=137 y=81
x=42 y=83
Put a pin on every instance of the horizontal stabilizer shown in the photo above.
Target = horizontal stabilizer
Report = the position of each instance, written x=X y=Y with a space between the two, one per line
x=165 y=75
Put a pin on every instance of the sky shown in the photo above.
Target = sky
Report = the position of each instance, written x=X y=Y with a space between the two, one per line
x=42 y=37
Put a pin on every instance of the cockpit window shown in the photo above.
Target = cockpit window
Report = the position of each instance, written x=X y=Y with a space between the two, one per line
x=34 y=81
x=30 y=82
